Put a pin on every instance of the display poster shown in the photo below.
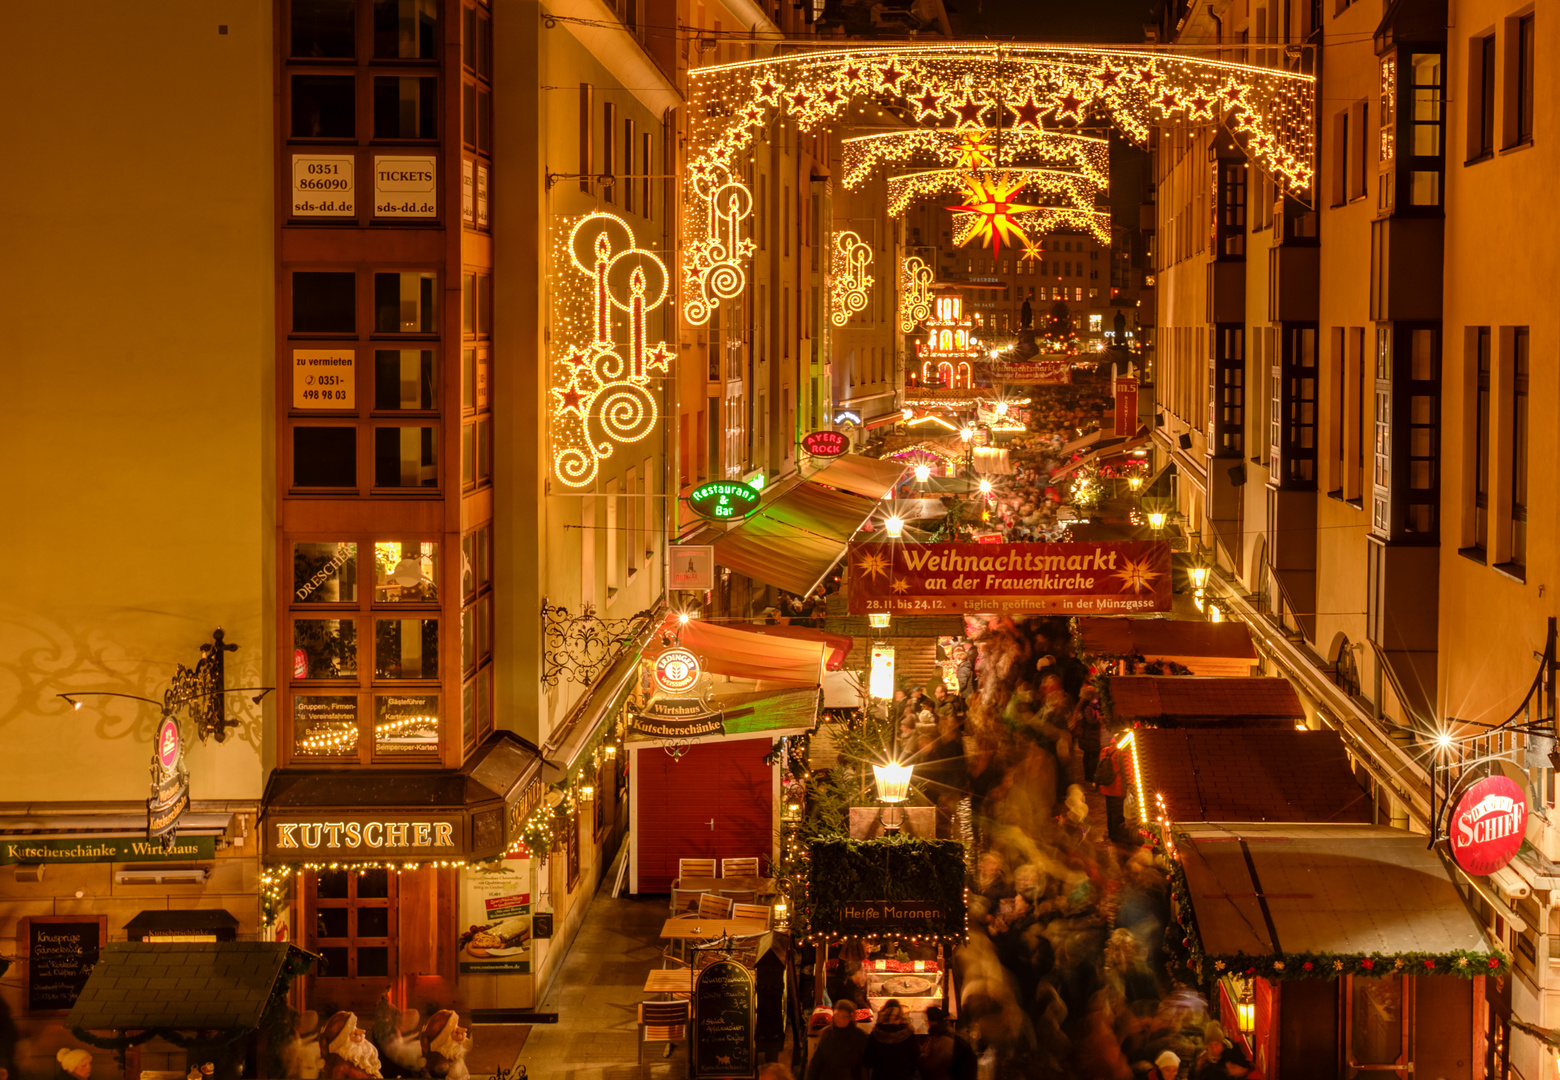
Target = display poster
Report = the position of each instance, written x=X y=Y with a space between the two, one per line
x=1118 y=577
x=323 y=185
x=482 y=196
x=406 y=187
x=468 y=191
x=495 y=914
x=691 y=567
x=723 y=1021
x=60 y=957
x=324 y=378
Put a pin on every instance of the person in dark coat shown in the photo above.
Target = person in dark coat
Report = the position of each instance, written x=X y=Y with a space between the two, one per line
x=841 y=1047
x=892 y=1051
x=964 y=670
x=947 y=1055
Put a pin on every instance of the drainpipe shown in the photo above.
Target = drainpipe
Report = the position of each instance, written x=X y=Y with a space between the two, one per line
x=1218 y=26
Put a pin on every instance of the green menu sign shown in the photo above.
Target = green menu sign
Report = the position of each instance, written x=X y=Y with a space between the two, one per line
x=723 y=500
x=27 y=849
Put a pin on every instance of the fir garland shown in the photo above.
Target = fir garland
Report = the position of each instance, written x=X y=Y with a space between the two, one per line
x=893 y=868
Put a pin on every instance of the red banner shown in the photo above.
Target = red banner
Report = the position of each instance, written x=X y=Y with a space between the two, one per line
x=1108 y=577
x=1044 y=373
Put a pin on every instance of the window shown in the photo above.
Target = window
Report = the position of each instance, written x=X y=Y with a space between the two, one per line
x=323 y=107
x=1424 y=159
x=1521 y=110
x=406 y=29
x=1230 y=223
x=322 y=29
x=645 y=179
x=405 y=457
x=609 y=149
x=1340 y=149
x=1481 y=97
x=406 y=106
x=1519 y=443
x=1294 y=409
x=404 y=380
x=587 y=136
x=324 y=457
x=1380 y=1032
x=1359 y=151
x=324 y=302
x=406 y=649
x=1479 y=428
x=354 y=923
x=405 y=303
x=628 y=164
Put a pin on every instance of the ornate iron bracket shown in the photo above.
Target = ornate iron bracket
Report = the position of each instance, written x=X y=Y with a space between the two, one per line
x=581 y=647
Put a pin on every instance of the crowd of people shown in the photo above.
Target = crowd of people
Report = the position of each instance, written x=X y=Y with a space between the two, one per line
x=1063 y=974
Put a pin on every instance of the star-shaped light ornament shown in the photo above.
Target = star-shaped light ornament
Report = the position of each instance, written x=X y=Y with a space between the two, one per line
x=1032 y=250
x=1027 y=114
x=973 y=151
x=1136 y=576
x=971 y=111
x=991 y=201
x=901 y=585
x=928 y=105
x=873 y=565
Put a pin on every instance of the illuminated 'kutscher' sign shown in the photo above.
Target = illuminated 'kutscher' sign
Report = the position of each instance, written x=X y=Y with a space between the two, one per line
x=601 y=395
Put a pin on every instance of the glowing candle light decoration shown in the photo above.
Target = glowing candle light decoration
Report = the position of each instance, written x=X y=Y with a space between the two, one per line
x=851 y=285
x=601 y=394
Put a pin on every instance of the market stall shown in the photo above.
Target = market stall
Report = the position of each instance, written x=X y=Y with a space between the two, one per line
x=1336 y=950
x=1199 y=701
x=1207 y=648
x=884 y=917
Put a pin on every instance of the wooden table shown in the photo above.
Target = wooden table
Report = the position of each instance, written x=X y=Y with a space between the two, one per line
x=669 y=981
x=759 y=886
x=710 y=929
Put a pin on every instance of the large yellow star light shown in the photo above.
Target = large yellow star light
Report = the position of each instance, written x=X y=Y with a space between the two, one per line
x=991 y=201
x=973 y=151
x=1032 y=250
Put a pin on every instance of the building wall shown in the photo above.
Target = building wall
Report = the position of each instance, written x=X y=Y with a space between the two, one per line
x=138 y=421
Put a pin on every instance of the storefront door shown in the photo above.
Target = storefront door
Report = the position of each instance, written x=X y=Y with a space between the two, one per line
x=716 y=801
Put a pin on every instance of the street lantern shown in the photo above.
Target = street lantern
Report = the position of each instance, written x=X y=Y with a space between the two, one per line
x=878 y=620
x=985 y=486
x=1134 y=482
x=1199 y=576
x=923 y=472
x=893 y=781
x=893 y=526
x=966 y=433
x=906 y=413
x=1156 y=519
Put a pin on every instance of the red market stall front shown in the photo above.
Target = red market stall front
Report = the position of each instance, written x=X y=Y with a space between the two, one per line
x=1338 y=951
x=1200 y=701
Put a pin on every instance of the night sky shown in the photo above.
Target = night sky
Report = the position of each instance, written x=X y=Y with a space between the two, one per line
x=1116 y=21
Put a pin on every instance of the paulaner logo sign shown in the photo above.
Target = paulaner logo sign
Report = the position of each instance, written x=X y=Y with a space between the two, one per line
x=1488 y=825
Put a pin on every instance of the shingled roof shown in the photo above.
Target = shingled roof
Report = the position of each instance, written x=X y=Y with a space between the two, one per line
x=1191 y=700
x=1239 y=774
x=218 y=985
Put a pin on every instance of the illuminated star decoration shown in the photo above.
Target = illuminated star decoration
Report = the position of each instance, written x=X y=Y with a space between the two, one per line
x=1032 y=250
x=901 y=585
x=1136 y=575
x=991 y=201
x=873 y=565
x=973 y=151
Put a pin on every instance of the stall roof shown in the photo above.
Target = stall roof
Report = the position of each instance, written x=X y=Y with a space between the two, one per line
x=779 y=555
x=1264 y=889
x=871 y=477
x=1208 y=648
x=1243 y=774
x=724 y=650
x=818 y=509
x=1179 y=700
x=184 y=919
x=838 y=645
x=219 y=985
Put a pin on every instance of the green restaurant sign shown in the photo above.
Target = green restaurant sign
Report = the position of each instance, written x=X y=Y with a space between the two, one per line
x=723 y=500
x=98 y=849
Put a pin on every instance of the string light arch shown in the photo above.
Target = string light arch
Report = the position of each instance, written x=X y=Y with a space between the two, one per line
x=1012 y=86
x=907 y=188
x=1087 y=155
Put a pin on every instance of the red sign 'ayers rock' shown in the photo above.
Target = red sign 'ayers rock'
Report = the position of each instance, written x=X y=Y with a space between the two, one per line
x=1127 y=577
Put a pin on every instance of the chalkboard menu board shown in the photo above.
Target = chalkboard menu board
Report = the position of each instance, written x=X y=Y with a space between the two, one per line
x=60 y=956
x=723 y=1021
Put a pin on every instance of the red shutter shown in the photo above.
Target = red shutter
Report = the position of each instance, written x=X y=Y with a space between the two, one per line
x=723 y=781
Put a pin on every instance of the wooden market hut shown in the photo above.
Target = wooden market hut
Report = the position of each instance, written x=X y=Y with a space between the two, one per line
x=1337 y=950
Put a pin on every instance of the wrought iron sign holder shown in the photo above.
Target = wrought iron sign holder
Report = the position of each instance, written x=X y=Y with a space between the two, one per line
x=581 y=647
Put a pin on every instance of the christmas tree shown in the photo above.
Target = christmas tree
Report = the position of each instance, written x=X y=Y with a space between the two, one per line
x=1059 y=336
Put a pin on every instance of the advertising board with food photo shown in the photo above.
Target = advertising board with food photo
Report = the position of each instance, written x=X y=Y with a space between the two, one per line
x=495 y=916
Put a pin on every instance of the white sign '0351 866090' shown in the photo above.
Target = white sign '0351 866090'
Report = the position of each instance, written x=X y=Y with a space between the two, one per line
x=323 y=185
x=406 y=186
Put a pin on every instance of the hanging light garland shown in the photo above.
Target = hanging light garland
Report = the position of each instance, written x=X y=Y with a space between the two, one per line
x=906 y=188
x=1087 y=155
x=1034 y=87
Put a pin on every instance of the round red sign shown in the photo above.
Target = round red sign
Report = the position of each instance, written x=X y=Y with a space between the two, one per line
x=1488 y=825
x=825 y=443
x=676 y=671
x=168 y=743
